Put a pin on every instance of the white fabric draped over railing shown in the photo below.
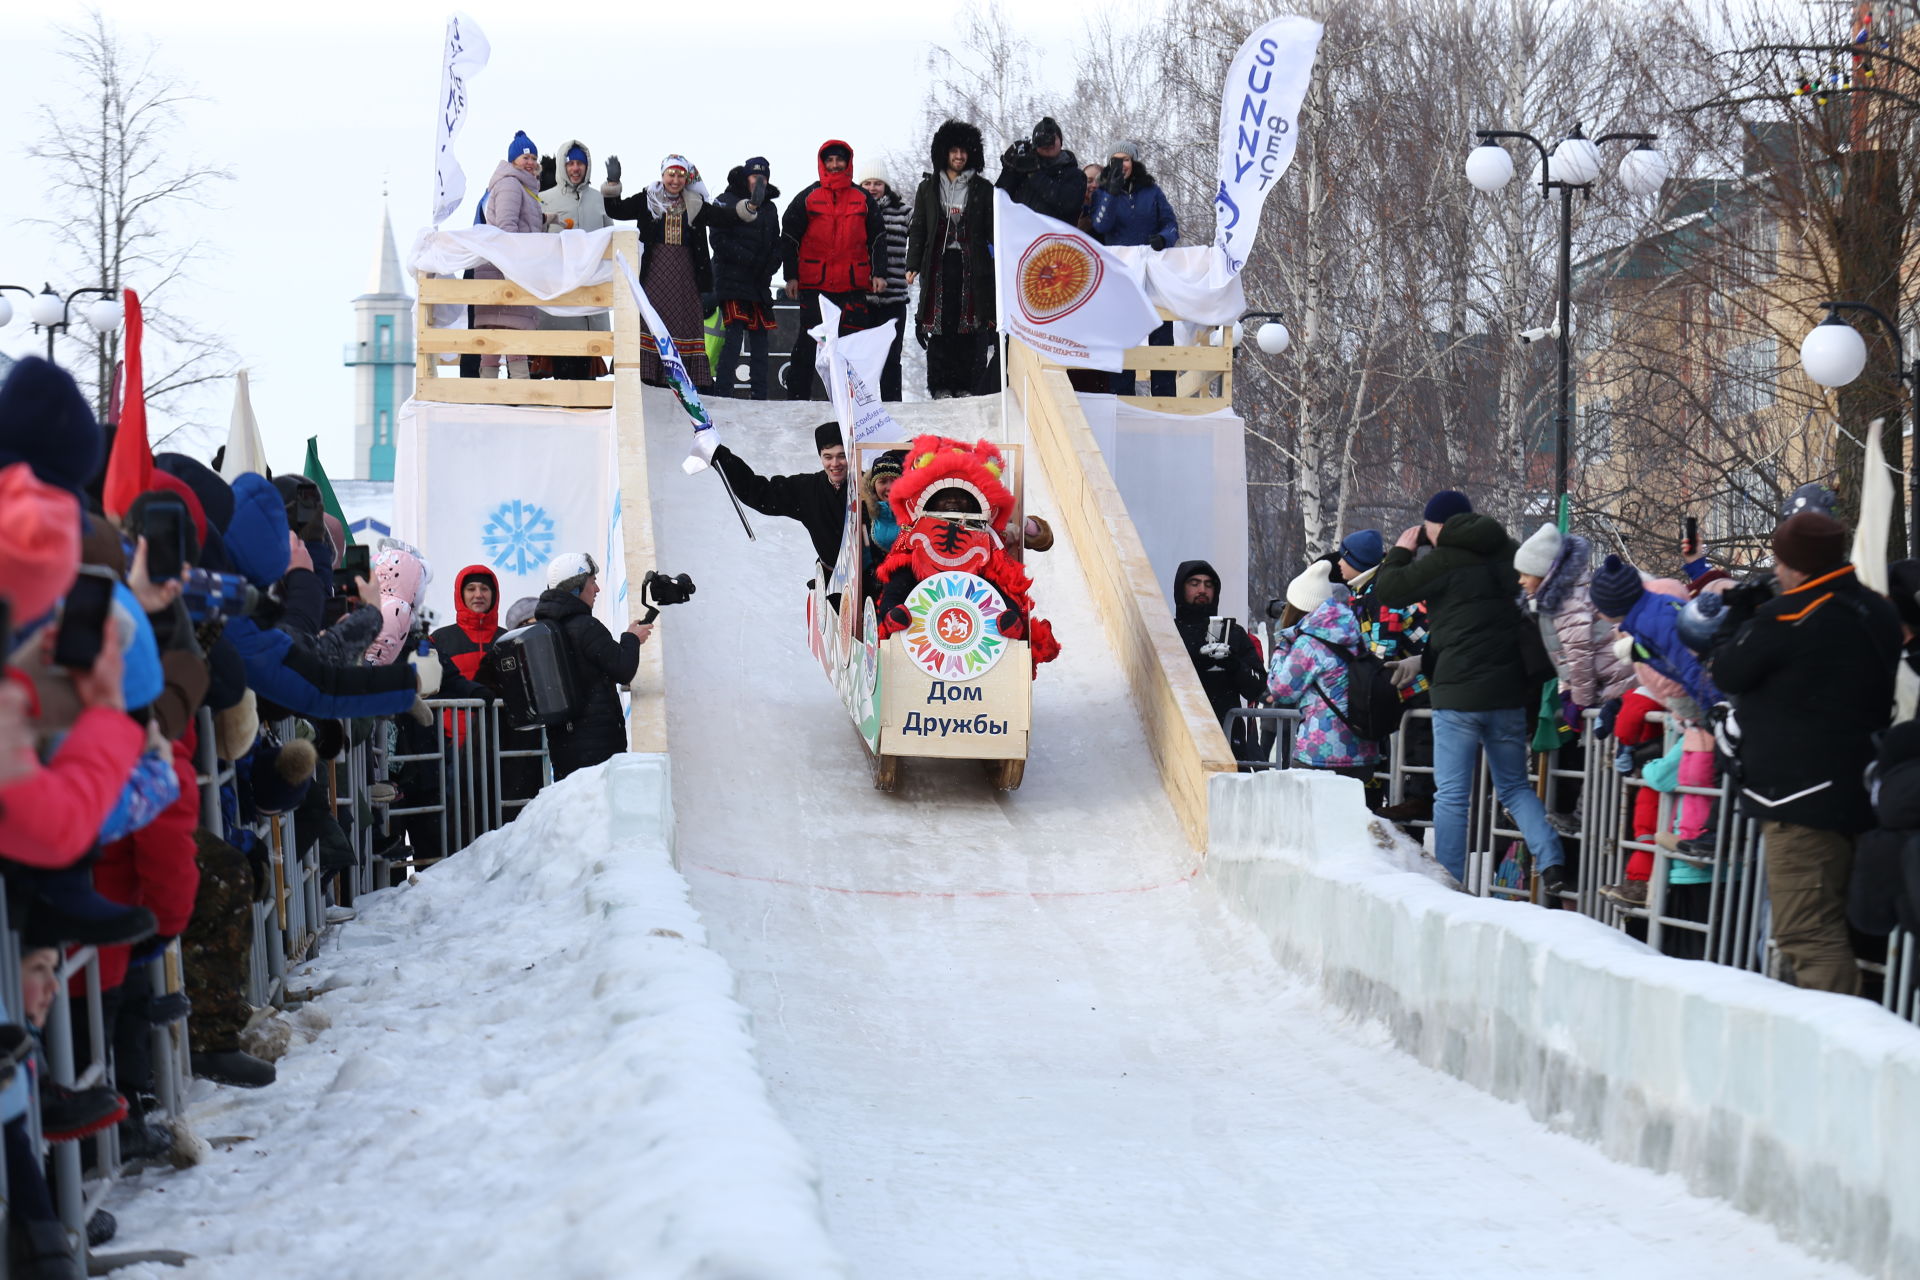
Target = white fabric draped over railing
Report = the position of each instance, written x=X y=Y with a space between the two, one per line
x=544 y=265
x=1180 y=281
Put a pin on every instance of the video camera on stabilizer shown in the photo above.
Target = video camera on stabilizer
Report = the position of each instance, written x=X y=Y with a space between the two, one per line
x=658 y=590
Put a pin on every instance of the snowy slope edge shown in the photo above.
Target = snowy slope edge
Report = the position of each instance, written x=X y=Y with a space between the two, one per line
x=1796 y=1106
x=527 y=1063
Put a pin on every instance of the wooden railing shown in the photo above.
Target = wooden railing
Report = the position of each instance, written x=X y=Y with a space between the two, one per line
x=1205 y=372
x=496 y=388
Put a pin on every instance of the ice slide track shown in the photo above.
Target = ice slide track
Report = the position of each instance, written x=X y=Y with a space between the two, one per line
x=1017 y=1032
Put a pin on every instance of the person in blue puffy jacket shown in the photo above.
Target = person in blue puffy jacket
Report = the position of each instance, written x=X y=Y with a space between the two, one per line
x=1129 y=208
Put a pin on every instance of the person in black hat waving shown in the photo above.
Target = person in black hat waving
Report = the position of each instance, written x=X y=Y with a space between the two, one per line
x=817 y=499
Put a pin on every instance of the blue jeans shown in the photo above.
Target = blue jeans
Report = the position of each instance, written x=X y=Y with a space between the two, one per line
x=1458 y=738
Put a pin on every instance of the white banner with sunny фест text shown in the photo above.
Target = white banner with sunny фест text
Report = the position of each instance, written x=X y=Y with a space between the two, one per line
x=510 y=487
x=1259 y=127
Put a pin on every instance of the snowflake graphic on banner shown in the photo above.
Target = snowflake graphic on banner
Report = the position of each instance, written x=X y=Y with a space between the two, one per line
x=519 y=536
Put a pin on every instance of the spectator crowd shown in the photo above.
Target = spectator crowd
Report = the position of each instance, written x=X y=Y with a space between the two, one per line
x=1784 y=695
x=851 y=238
x=178 y=673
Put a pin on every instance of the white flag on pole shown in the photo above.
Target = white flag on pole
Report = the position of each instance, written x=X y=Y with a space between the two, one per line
x=861 y=357
x=1063 y=293
x=244 y=451
x=1876 y=513
x=467 y=51
x=1259 y=127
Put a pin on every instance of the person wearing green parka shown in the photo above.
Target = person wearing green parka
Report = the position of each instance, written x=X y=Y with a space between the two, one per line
x=1481 y=694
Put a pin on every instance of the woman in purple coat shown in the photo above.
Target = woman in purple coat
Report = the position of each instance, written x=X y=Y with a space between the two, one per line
x=513 y=204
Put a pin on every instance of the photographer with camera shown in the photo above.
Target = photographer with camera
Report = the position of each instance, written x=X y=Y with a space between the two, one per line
x=1223 y=653
x=597 y=730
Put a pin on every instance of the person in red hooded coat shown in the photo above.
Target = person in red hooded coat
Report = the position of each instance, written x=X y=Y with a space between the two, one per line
x=833 y=242
x=467 y=644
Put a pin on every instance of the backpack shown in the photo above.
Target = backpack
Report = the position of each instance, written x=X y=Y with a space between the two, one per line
x=1374 y=706
x=537 y=682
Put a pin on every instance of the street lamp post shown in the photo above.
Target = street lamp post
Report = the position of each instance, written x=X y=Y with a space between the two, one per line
x=1572 y=164
x=53 y=313
x=1271 y=337
x=1833 y=354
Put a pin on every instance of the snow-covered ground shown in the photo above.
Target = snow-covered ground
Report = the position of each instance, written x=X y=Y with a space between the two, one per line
x=525 y=1064
x=1019 y=1035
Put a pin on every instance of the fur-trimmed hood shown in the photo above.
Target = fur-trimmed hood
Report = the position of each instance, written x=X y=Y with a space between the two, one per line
x=1570 y=569
x=957 y=133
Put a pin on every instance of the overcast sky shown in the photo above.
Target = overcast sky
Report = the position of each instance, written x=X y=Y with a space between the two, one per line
x=315 y=108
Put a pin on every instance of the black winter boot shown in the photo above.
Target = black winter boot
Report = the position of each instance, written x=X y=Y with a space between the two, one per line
x=43 y=1251
x=67 y=1115
x=234 y=1067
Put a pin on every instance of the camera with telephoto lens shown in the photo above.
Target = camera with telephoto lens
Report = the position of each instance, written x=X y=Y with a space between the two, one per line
x=209 y=595
x=659 y=589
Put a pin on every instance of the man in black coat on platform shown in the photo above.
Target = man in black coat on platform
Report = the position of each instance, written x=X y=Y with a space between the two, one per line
x=1229 y=667
x=1043 y=175
x=817 y=499
x=601 y=664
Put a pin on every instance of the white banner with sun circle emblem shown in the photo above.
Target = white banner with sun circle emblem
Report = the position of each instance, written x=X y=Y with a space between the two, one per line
x=1063 y=293
x=509 y=487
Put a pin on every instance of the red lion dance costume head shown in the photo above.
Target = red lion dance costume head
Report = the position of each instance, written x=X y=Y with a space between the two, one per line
x=933 y=542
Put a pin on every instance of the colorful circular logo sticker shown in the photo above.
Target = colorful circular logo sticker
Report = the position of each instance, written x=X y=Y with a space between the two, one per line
x=954 y=627
x=1057 y=274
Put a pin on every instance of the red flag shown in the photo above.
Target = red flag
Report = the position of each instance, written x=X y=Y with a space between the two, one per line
x=130 y=465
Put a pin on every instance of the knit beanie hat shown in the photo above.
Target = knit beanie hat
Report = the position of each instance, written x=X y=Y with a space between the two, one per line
x=1812 y=496
x=282 y=774
x=45 y=421
x=520 y=146
x=1047 y=131
x=1310 y=590
x=889 y=463
x=39 y=542
x=1616 y=586
x=1810 y=542
x=1131 y=150
x=1445 y=505
x=757 y=164
x=872 y=171
x=837 y=149
x=1537 y=554
x=520 y=613
x=1363 y=549
x=577 y=153
x=827 y=436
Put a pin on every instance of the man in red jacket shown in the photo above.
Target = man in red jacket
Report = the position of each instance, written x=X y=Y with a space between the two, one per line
x=833 y=242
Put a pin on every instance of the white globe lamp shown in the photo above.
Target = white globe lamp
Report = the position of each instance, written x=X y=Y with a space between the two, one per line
x=1273 y=337
x=1834 y=353
x=1643 y=170
x=47 y=309
x=1575 y=162
x=6 y=311
x=106 y=315
x=1489 y=167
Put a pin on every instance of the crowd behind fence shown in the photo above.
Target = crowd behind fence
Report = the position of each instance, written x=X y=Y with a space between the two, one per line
x=288 y=923
x=1728 y=924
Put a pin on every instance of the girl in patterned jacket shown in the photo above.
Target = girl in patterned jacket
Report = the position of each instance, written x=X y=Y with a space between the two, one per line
x=1310 y=673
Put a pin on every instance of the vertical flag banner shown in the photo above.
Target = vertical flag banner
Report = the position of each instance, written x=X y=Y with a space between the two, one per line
x=318 y=474
x=244 y=451
x=1259 y=127
x=831 y=358
x=130 y=465
x=1067 y=296
x=859 y=359
x=1876 y=513
x=466 y=54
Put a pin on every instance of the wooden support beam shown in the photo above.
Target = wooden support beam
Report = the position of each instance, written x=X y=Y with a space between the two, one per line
x=1187 y=742
x=1207 y=359
x=563 y=393
x=518 y=342
x=1192 y=406
x=647 y=709
x=505 y=293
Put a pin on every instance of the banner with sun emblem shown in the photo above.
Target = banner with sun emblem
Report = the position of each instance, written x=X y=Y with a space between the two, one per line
x=1064 y=294
x=955 y=629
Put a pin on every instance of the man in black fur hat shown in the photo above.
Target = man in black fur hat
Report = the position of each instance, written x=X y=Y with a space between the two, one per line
x=950 y=251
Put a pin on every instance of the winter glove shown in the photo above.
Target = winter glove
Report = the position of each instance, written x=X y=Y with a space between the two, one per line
x=1609 y=710
x=1404 y=672
x=1020 y=157
x=421 y=714
x=613 y=168
x=1623 y=760
x=1113 y=178
x=898 y=618
x=1157 y=242
x=757 y=190
x=548 y=178
x=1571 y=712
x=173 y=1006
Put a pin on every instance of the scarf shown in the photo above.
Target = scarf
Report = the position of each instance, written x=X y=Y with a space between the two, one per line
x=660 y=204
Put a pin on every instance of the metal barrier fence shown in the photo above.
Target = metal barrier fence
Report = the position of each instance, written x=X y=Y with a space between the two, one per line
x=473 y=761
x=1723 y=917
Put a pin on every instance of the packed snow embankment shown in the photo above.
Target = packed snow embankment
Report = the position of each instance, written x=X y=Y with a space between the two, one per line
x=527 y=1063
x=1797 y=1106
